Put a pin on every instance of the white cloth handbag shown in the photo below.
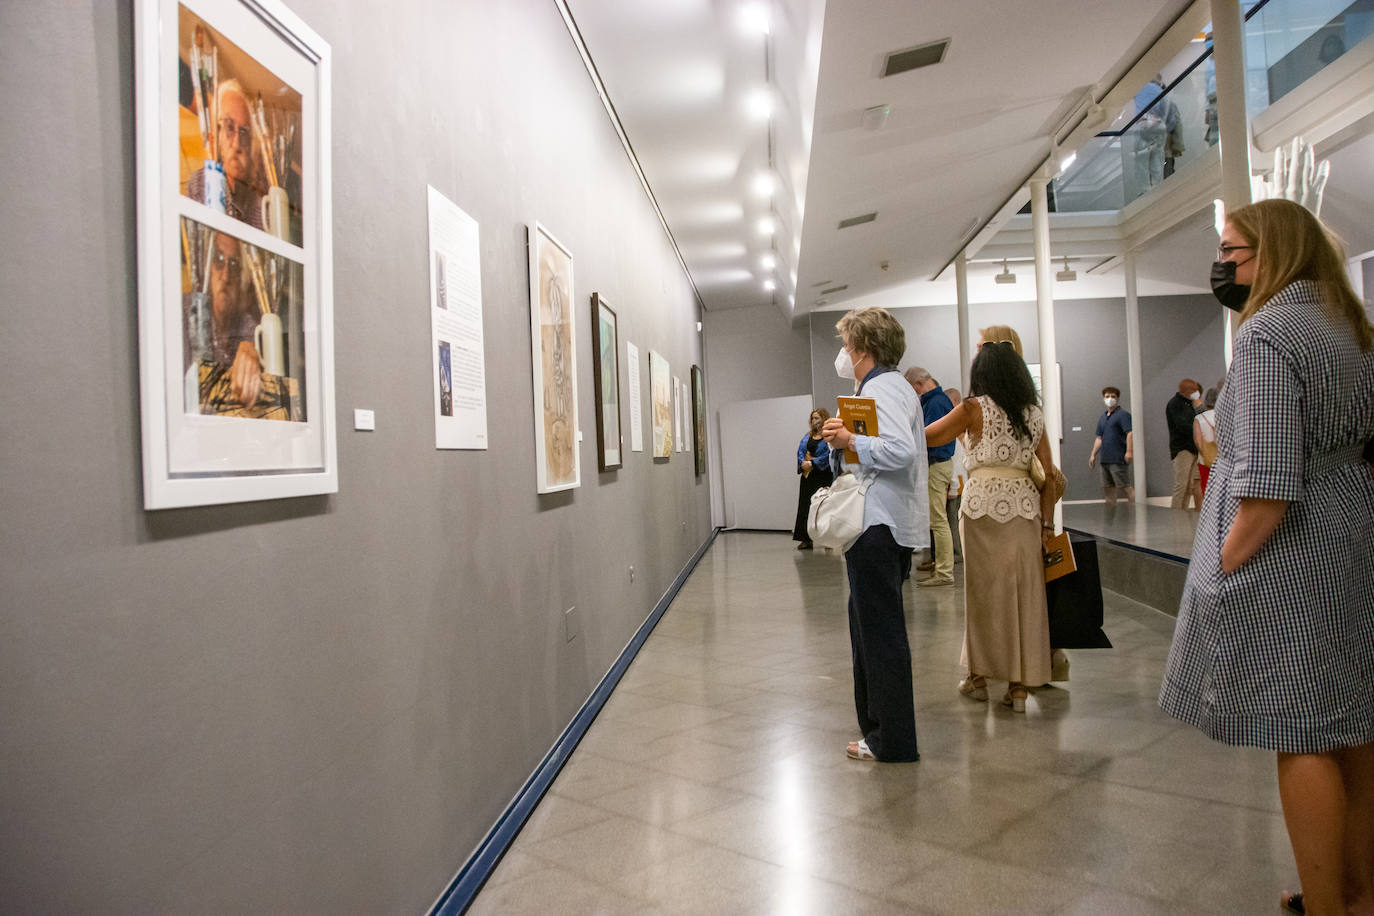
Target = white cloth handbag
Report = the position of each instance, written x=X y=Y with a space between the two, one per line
x=836 y=517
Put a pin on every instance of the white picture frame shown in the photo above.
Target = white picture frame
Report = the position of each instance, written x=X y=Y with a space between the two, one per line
x=553 y=362
x=253 y=244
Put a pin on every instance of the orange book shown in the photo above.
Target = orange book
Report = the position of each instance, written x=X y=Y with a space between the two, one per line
x=1059 y=559
x=860 y=416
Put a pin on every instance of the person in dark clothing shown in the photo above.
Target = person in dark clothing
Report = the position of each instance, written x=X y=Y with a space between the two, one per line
x=813 y=464
x=1179 y=413
x=1113 y=447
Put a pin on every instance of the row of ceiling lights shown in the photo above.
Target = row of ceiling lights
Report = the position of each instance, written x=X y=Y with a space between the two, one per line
x=757 y=20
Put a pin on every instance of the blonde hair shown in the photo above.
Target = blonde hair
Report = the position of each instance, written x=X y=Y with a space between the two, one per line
x=1291 y=244
x=874 y=331
x=1002 y=333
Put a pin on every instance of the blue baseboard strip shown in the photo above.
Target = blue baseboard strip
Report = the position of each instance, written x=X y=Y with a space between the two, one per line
x=460 y=893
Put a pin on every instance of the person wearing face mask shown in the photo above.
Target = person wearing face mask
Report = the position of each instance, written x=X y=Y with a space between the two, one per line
x=1274 y=641
x=1115 y=443
x=813 y=464
x=1179 y=413
x=896 y=521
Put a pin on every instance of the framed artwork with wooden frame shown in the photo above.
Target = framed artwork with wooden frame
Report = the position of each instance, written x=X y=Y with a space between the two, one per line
x=606 y=380
x=235 y=262
x=553 y=342
x=698 y=421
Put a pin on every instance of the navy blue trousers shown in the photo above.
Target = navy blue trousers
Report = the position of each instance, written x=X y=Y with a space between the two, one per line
x=882 y=656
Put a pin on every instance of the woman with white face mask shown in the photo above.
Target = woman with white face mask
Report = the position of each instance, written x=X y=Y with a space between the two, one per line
x=896 y=520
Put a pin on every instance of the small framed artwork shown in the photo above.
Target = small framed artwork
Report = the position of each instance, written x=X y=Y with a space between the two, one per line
x=553 y=340
x=606 y=378
x=661 y=396
x=236 y=355
x=698 y=421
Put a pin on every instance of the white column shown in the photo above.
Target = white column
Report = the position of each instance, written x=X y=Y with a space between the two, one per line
x=1233 y=123
x=1044 y=301
x=961 y=292
x=1135 y=377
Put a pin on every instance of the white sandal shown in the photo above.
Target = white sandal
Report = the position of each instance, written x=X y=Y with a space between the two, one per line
x=975 y=687
x=858 y=750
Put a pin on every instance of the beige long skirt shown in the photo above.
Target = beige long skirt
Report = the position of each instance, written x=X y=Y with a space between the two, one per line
x=1007 y=625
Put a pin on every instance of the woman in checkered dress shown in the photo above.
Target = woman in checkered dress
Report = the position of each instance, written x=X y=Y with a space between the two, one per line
x=1274 y=645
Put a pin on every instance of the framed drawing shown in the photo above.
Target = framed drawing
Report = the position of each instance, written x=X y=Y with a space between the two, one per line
x=553 y=342
x=661 y=398
x=606 y=378
x=235 y=262
x=698 y=421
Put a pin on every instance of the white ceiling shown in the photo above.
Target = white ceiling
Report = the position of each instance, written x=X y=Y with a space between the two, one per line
x=962 y=137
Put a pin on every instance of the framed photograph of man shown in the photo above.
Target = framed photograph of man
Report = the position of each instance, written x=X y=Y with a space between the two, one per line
x=606 y=377
x=553 y=342
x=235 y=260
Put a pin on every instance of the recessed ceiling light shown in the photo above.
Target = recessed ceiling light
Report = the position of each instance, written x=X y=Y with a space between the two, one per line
x=760 y=104
x=767 y=225
x=763 y=184
x=770 y=285
x=768 y=261
x=755 y=19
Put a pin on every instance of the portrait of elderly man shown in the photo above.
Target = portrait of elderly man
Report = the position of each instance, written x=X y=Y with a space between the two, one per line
x=234 y=141
x=228 y=346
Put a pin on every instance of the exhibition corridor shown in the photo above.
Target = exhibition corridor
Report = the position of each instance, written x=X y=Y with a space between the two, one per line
x=715 y=779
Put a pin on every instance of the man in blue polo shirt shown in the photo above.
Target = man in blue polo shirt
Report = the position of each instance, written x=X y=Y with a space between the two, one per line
x=1115 y=445
x=934 y=405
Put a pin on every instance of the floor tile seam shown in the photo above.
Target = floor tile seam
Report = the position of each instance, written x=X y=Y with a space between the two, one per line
x=613 y=893
x=1185 y=797
x=696 y=783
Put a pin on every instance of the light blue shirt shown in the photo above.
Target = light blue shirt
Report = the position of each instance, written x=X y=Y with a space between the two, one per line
x=895 y=462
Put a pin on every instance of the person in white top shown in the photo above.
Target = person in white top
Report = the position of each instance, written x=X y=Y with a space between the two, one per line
x=1205 y=436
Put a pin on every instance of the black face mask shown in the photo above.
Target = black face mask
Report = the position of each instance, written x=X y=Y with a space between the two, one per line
x=1224 y=286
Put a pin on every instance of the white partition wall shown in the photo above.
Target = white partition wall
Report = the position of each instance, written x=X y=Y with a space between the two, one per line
x=758 y=445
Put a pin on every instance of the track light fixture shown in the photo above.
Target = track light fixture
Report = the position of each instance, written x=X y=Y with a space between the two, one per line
x=1066 y=275
x=1006 y=276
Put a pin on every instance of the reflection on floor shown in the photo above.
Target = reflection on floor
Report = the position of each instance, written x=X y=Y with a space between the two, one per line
x=1155 y=529
x=715 y=779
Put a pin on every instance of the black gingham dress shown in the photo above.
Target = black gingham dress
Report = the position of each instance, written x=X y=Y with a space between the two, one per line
x=1280 y=653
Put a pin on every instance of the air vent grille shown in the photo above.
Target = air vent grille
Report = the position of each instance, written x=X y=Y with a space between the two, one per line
x=835 y=289
x=915 y=58
x=858 y=220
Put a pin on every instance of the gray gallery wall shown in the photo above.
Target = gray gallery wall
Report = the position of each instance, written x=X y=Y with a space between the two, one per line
x=319 y=704
x=754 y=354
x=1179 y=335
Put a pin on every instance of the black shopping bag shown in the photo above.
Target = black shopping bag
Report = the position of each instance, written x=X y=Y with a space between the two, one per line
x=1075 y=602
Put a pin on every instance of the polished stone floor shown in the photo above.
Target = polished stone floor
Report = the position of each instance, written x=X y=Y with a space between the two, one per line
x=715 y=780
x=1157 y=529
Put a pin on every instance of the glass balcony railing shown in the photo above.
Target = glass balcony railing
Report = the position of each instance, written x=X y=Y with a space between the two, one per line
x=1172 y=121
x=1287 y=42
